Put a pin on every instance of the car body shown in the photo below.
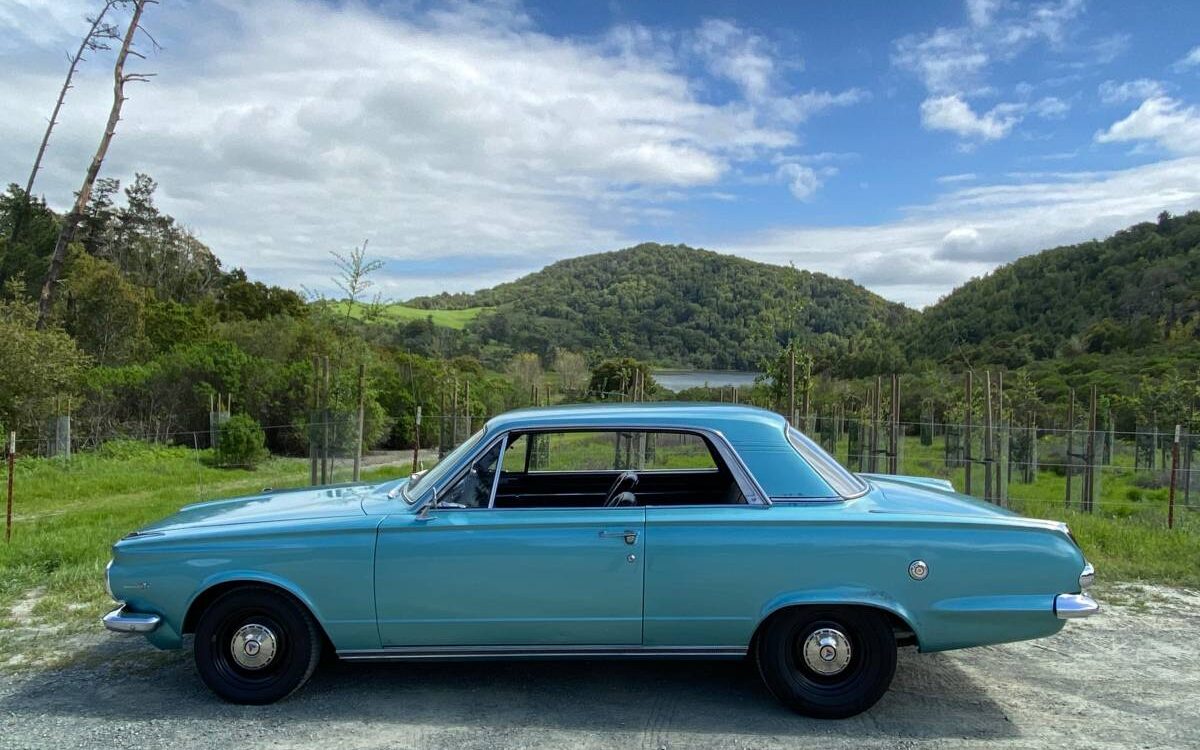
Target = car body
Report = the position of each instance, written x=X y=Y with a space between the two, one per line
x=641 y=530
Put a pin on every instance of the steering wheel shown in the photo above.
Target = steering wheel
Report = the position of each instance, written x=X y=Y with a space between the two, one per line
x=627 y=477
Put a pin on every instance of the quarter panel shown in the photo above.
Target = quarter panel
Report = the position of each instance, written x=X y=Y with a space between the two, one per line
x=713 y=574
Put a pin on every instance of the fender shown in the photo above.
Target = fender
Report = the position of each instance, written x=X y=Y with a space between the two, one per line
x=841 y=595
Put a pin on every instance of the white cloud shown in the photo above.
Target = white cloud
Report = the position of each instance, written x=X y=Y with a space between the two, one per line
x=1188 y=61
x=950 y=179
x=459 y=130
x=965 y=233
x=980 y=11
x=952 y=114
x=802 y=180
x=1161 y=120
x=1050 y=108
x=1112 y=92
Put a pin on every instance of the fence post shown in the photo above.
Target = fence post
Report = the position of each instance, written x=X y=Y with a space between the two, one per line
x=1070 y=455
x=792 y=383
x=12 y=457
x=1170 y=496
x=362 y=385
x=967 y=458
x=416 y=440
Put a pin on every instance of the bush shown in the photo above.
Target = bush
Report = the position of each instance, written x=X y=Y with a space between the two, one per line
x=242 y=442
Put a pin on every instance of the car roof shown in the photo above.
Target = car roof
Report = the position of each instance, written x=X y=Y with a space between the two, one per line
x=758 y=436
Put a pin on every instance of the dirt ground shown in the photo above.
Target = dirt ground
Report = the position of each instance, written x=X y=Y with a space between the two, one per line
x=1127 y=679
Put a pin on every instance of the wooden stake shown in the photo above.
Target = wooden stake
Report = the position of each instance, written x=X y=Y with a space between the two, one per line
x=362 y=395
x=1070 y=442
x=967 y=432
x=417 y=442
x=12 y=459
x=792 y=384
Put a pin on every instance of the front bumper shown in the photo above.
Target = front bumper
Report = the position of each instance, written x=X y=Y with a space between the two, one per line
x=1074 y=606
x=121 y=620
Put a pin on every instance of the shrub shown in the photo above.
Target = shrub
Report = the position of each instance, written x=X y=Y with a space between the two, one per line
x=242 y=442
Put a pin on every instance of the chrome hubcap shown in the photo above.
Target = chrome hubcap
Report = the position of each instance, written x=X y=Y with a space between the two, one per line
x=826 y=651
x=253 y=646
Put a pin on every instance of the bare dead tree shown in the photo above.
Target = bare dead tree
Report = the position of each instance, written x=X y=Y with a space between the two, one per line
x=71 y=222
x=97 y=38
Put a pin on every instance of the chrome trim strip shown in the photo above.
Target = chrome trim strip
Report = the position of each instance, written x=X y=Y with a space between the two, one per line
x=1074 y=606
x=446 y=653
x=122 y=621
x=499 y=470
x=1088 y=576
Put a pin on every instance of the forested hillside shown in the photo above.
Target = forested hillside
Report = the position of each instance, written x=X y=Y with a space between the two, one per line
x=673 y=304
x=1133 y=291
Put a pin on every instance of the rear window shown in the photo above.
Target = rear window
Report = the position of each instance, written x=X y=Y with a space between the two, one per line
x=842 y=481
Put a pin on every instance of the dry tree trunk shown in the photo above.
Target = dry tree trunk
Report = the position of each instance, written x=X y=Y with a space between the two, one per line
x=71 y=222
x=92 y=40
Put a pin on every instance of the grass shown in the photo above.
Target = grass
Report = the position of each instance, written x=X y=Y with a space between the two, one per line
x=396 y=312
x=68 y=513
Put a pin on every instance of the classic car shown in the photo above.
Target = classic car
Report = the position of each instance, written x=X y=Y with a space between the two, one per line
x=603 y=531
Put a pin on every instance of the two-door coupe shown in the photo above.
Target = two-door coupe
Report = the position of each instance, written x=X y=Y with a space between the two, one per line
x=646 y=530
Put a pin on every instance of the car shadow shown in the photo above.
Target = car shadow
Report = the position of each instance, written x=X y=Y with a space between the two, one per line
x=931 y=697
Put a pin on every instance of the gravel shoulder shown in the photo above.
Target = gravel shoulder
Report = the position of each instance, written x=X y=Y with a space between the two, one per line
x=1129 y=678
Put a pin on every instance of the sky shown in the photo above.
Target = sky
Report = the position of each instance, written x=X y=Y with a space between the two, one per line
x=906 y=146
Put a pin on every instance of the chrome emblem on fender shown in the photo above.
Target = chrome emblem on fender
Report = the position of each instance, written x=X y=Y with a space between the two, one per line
x=918 y=570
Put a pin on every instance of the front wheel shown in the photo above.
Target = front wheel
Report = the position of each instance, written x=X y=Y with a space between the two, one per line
x=825 y=662
x=256 y=645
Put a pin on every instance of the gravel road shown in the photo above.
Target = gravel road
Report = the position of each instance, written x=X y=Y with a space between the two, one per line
x=1127 y=679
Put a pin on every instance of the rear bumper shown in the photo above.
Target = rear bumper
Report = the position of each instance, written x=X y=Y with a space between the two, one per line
x=121 y=620
x=1074 y=606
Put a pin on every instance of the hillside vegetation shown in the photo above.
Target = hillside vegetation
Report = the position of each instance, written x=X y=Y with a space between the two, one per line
x=1135 y=290
x=674 y=304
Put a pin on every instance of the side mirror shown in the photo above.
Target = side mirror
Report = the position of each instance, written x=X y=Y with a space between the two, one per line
x=427 y=508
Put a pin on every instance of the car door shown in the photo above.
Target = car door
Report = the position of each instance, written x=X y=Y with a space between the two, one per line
x=480 y=576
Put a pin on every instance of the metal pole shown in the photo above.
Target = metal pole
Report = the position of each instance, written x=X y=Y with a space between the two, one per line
x=12 y=457
x=362 y=394
x=1170 y=496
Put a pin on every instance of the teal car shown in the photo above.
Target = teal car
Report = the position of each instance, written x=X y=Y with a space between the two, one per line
x=603 y=531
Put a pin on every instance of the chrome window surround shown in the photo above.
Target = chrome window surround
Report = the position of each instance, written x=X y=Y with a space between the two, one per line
x=840 y=480
x=751 y=489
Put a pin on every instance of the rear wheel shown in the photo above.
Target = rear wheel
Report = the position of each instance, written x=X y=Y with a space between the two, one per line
x=825 y=662
x=256 y=645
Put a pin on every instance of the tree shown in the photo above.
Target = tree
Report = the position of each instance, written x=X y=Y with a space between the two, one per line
x=102 y=310
x=620 y=377
x=71 y=222
x=354 y=274
x=98 y=35
x=36 y=366
x=525 y=370
x=572 y=371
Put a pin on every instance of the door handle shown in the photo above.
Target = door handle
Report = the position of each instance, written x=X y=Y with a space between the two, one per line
x=629 y=535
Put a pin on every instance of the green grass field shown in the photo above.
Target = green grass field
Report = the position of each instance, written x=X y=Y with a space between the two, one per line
x=397 y=312
x=68 y=514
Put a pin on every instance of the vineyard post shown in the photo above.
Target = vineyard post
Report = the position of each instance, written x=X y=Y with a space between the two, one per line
x=358 y=442
x=12 y=458
x=1170 y=496
x=416 y=440
x=1070 y=443
x=967 y=433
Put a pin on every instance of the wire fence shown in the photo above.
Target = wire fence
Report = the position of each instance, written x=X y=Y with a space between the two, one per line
x=1134 y=474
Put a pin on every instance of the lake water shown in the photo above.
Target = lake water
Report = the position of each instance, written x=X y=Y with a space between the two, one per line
x=678 y=380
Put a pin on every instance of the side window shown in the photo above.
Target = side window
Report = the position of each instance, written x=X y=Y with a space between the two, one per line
x=474 y=488
x=514 y=454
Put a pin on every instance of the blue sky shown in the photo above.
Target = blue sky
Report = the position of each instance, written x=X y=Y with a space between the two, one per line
x=908 y=146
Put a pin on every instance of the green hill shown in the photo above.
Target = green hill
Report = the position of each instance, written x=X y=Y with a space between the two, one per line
x=1136 y=289
x=673 y=304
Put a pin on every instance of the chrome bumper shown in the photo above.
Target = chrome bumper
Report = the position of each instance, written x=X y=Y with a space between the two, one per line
x=1074 y=606
x=120 y=621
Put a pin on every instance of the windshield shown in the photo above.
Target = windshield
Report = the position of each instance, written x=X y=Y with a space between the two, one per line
x=437 y=473
x=842 y=481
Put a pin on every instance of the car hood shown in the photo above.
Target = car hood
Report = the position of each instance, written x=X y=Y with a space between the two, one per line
x=284 y=505
x=924 y=496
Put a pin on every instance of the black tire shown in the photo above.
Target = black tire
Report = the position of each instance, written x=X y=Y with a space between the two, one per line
x=861 y=680
x=278 y=623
